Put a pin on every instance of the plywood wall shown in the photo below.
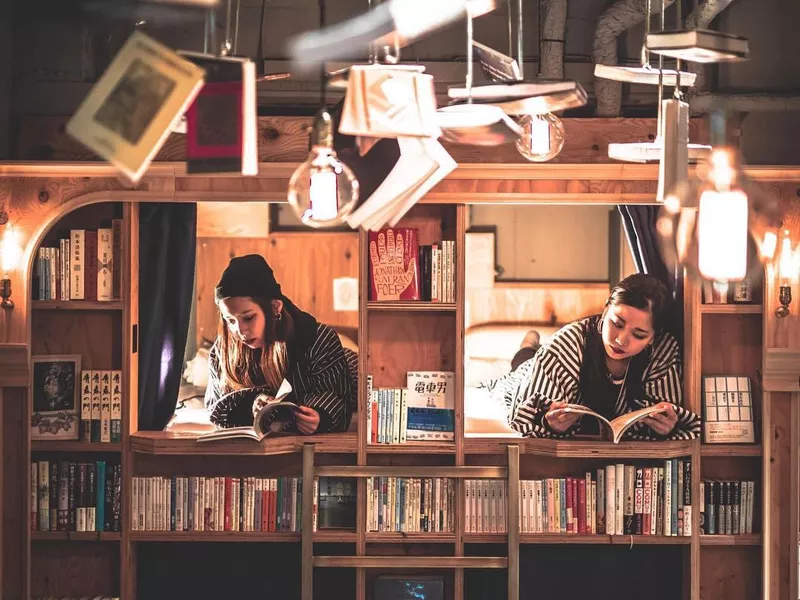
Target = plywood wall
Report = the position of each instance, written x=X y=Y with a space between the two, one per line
x=305 y=264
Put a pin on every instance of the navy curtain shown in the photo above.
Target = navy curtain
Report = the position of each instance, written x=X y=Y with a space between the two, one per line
x=167 y=241
x=639 y=222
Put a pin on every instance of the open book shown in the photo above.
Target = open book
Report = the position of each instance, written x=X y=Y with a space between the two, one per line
x=274 y=417
x=617 y=427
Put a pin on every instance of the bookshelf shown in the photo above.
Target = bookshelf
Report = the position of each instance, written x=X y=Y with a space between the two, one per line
x=727 y=339
x=61 y=562
x=109 y=562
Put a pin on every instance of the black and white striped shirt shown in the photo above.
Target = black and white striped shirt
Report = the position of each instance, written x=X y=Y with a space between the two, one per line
x=322 y=373
x=554 y=375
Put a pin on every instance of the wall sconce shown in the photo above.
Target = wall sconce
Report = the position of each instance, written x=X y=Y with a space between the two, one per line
x=787 y=274
x=10 y=254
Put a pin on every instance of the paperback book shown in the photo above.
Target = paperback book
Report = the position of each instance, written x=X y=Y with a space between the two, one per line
x=275 y=416
x=616 y=428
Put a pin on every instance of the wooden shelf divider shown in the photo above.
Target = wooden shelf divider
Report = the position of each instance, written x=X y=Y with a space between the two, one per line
x=580 y=449
x=76 y=536
x=749 y=539
x=331 y=536
x=731 y=309
x=412 y=306
x=73 y=446
x=730 y=450
x=182 y=443
x=76 y=305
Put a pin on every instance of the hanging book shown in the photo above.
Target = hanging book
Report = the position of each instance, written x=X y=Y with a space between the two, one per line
x=221 y=123
x=126 y=117
x=699 y=45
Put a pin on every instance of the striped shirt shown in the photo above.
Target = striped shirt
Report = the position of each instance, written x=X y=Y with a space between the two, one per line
x=554 y=375
x=322 y=374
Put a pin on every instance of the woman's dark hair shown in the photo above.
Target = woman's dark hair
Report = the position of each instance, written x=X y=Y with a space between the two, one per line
x=644 y=292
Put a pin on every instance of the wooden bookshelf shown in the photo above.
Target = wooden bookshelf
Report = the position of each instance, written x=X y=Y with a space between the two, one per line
x=393 y=338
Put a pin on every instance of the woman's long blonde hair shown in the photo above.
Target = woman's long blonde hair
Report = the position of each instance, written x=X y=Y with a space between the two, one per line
x=237 y=360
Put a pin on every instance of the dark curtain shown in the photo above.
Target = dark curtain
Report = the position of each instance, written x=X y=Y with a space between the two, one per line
x=639 y=222
x=167 y=240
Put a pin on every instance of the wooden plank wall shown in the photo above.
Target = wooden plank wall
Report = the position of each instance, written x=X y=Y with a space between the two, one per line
x=284 y=139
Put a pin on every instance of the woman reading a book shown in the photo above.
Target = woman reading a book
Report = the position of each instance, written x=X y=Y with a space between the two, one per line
x=265 y=339
x=613 y=363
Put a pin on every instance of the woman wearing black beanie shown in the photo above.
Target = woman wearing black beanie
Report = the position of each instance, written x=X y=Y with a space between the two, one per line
x=263 y=339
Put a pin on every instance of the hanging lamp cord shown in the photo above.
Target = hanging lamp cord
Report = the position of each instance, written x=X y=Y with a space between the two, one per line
x=323 y=75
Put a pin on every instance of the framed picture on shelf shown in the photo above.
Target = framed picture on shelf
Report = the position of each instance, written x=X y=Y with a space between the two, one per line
x=56 y=397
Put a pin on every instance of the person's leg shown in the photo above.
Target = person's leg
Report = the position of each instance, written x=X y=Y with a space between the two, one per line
x=530 y=344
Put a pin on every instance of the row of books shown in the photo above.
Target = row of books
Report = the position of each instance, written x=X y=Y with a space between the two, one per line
x=410 y=504
x=69 y=496
x=727 y=507
x=101 y=406
x=422 y=411
x=402 y=269
x=82 y=267
x=617 y=499
x=225 y=503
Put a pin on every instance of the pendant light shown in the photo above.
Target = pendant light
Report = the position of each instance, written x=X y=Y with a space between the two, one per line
x=718 y=224
x=322 y=190
x=646 y=74
x=642 y=152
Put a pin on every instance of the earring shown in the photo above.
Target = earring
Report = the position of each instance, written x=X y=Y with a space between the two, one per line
x=649 y=350
x=278 y=317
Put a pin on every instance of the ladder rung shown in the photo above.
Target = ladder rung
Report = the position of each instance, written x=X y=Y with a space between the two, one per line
x=413 y=562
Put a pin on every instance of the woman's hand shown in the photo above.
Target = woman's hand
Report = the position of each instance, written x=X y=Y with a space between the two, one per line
x=559 y=419
x=307 y=420
x=664 y=422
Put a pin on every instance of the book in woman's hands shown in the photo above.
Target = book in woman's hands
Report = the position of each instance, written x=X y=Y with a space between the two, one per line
x=617 y=427
x=275 y=416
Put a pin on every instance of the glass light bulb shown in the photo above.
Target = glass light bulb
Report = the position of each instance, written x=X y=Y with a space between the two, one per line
x=10 y=252
x=542 y=137
x=323 y=190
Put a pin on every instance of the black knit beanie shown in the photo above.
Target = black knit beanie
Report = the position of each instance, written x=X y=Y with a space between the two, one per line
x=248 y=275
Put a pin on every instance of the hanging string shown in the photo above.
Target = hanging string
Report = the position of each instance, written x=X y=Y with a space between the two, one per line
x=645 y=56
x=236 y=30
x=469 y=57
x=371 y=49
x=541 y=35
x=510 y=30
x=260 y=49
x=520 y=57
x=679 y=18
x=323 y=75
x=226 y=46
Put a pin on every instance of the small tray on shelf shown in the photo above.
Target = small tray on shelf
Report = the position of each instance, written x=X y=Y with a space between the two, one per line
x=184 y=443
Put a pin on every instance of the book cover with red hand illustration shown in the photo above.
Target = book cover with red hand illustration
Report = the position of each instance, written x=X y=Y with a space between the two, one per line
x=394 y=264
